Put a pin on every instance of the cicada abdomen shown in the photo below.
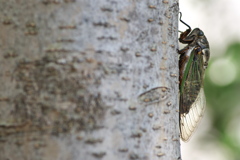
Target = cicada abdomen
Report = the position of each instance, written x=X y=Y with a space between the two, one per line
x=192 y=64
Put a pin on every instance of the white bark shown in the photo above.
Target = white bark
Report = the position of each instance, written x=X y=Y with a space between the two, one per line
x=87 y=80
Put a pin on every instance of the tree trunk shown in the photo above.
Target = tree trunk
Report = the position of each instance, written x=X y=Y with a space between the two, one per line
x=89 y=79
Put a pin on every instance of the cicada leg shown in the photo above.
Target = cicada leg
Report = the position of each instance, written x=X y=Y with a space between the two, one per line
x=184 y=35
x=182 y=51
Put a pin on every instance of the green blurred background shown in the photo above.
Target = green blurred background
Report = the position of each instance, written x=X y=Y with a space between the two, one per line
x=222 y=90
x=218 y=135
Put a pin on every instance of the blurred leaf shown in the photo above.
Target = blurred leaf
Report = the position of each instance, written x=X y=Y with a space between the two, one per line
x=223 y=101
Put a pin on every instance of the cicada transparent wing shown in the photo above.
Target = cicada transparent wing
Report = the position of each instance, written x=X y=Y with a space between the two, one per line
x=192 y=98
x=189 y=121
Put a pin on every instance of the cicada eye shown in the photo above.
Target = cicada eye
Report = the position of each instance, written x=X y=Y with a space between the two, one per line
x=200 y=33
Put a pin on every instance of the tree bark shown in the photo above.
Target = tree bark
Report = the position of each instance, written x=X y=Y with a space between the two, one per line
x=89 y=79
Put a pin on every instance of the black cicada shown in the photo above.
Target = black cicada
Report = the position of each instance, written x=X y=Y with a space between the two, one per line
x=192 y=64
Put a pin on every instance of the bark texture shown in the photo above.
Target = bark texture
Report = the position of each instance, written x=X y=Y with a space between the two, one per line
x=88 y=80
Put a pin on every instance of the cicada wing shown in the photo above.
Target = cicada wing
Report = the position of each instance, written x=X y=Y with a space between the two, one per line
x=190 y=120
x=192 y=99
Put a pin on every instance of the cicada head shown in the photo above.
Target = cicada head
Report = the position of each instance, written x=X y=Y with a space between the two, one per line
x=194 y=38
x=197 y=33
x=198 y=37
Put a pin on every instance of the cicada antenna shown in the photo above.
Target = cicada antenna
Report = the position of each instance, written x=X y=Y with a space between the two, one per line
x=184 y=22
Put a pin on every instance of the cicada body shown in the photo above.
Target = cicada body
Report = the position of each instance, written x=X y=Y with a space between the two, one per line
x=192 y=64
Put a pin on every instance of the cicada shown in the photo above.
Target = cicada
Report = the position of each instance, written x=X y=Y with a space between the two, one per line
x=193 y=62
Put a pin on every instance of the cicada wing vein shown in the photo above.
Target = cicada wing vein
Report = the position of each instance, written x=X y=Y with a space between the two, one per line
x=190 y=120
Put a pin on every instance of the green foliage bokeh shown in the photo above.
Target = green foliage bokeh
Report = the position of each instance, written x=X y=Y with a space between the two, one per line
x=223 y=102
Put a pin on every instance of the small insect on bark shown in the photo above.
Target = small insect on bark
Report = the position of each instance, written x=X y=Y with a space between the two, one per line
x=193 y=62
